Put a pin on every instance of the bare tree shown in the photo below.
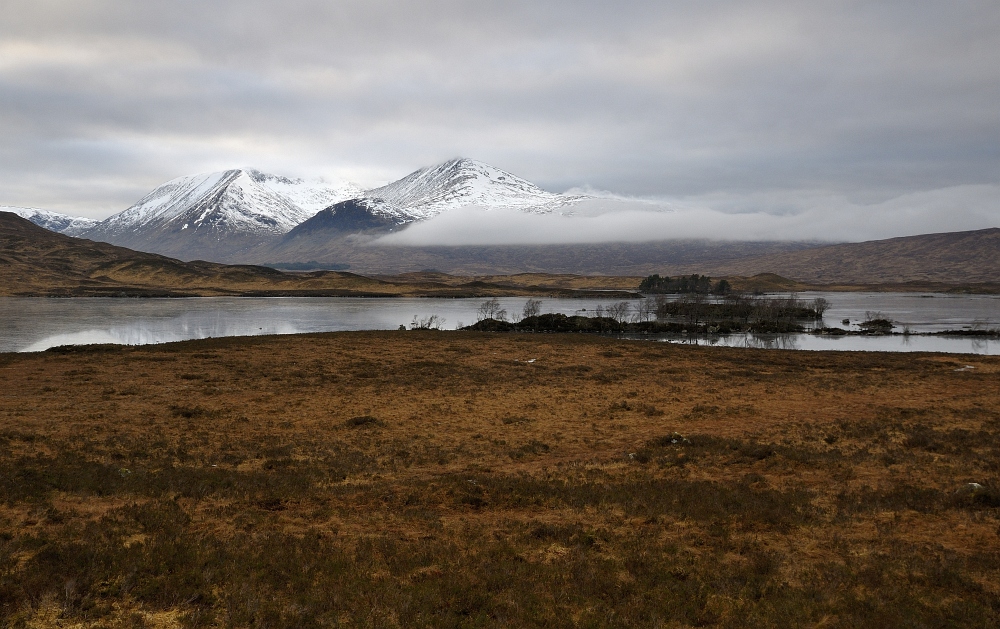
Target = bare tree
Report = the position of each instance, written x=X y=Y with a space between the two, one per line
x=644 y=310
x=619 y=312
x=490 y=309
x=532 y=308
x=432 y=322
x=820 y=305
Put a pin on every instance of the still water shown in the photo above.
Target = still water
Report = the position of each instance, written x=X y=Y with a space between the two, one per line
x=35 y=324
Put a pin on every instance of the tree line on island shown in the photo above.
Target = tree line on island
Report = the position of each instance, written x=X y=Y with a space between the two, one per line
x=694 y=313
x=698 y=284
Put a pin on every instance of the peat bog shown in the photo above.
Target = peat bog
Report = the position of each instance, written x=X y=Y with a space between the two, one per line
x=474 y=479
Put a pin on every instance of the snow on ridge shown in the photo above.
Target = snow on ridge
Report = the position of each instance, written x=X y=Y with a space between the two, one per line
x=248 y=201
x=464 y=182
x=241 y=200
x=170 y=199
x=310 y=195
x=52 y=221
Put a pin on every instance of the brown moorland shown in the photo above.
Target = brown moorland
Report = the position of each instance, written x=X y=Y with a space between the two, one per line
x=536 y=283
x=458 y=479
x=969 y=257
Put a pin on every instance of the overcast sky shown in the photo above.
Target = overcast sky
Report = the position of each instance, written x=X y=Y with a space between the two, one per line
x=884 y=114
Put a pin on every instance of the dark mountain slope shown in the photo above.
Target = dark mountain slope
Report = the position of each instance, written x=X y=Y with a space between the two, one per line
x=346 y=217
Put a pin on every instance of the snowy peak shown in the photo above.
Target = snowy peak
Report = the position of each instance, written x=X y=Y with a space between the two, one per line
x=463 y=182
x=53 y=221
x=241 y=200
x=309 y=195
x=227 y=200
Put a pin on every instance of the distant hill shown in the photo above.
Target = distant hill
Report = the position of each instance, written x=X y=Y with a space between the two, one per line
x=53 y=221
x=37 y=262
x=958 y=258
x=331 y=245
x=954 y=257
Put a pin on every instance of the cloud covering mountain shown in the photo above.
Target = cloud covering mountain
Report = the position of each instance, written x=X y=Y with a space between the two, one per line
x=605 y=218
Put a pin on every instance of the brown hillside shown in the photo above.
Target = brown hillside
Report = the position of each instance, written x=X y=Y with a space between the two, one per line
x=605 y=258
x=956 y=258
x=35 y=261
x=38 y=262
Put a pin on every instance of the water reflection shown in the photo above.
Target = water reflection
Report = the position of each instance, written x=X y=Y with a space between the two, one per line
x=35 y=324
x=753 y=341
x=772 y=341
x=810 y=342
x=148 y=332
x=980 y=346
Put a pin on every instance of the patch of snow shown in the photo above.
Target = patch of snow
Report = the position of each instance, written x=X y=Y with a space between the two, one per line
x=53 y=221
x=310 y=195
x=239 y=200
x=461 y=183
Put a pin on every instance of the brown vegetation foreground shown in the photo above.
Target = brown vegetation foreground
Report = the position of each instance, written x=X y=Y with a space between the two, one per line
x=463 y=479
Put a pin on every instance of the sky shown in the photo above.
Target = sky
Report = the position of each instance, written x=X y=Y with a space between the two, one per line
x=841 y=120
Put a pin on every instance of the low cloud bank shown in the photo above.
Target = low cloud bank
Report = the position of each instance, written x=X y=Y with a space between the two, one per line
x=761 y=217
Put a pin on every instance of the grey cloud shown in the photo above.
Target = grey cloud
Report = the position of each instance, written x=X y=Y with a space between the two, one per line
x=769 y=104
x=825 y=217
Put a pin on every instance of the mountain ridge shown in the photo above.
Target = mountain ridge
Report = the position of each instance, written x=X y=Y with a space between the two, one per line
x=53 y=221
x=226 y=215
x=218 y=214
x=461 y=182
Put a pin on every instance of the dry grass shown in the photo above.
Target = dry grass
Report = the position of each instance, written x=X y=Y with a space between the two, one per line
x=440 y=479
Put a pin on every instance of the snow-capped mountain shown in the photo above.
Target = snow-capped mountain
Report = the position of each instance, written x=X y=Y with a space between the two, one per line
x=243 y=200
x=53 y=221
x=340 y=231
x=244 y=214
x=218 y=213
x=464 y=182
